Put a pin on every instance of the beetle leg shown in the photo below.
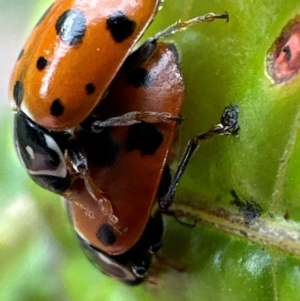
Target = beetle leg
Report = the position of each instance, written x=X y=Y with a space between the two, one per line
x=145 y=51
x=178 y=214
x=182 y=25
x=99 y=197
x=133 y=118
x=76 y=156
x=227 y=126
x=104 y=203
x=80 y=165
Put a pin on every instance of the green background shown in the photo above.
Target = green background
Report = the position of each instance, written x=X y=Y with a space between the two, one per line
x=224 y=259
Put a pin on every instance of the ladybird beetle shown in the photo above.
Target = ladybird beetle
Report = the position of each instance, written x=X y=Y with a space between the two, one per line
x=129 y=165
x=126 y=163
x=132 y=266
x=65 y=70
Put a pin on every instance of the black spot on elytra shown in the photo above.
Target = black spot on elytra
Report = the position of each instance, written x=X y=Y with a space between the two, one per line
x=144 y=137
x=57 y=108
x=120 y=26
x=139 y=77
x=18 y=92
x=90 y=88
x=106 y=235
x=21 y=54
x=41 y=63
x=44 y=15
x=71 y=27
x=100 y=148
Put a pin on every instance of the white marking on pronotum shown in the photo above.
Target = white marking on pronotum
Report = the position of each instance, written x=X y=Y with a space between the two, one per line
x=30 y=152
x=61 y=170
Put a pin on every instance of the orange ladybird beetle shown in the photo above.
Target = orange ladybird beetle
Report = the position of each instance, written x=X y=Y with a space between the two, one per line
x=95 y=121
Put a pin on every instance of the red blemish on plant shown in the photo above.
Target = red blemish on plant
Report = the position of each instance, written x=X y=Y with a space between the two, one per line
x=283 y=59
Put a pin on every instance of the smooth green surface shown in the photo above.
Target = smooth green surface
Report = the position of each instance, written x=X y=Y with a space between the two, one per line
x=222 y=63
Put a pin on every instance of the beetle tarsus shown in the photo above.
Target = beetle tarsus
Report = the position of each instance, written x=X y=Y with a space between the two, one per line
x=134 y=117
x=228 y=126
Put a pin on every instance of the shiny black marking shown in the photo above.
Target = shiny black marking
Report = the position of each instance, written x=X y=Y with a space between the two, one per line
x=106 y=235
x=118 y=266
x=120 y=26
x=139 y=77
x=51 y=183
x=44 y=15
x=57 y=108
x=30 y=134
x=104 y=153
x=144 y=137
x=18 y=92
x=21 y=54
x=71 y=27
x=90 y=88
x=41 y=63
x=41 y=161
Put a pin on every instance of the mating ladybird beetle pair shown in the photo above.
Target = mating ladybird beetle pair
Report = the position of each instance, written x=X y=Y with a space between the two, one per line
x=95 y=121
